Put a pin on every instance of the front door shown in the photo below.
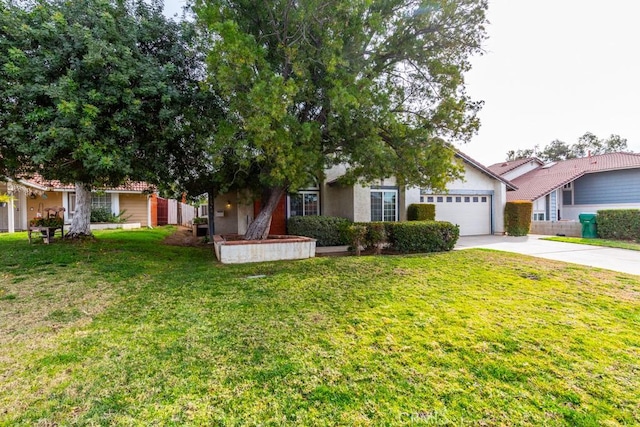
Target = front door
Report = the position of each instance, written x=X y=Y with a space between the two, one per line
x=279 y=218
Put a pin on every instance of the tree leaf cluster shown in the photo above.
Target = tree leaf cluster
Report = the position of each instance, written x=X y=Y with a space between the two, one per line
x=375 y=85
x=556 y=150
x=98 y=91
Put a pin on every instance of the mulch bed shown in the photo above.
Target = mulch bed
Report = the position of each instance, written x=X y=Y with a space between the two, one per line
x=184 y=237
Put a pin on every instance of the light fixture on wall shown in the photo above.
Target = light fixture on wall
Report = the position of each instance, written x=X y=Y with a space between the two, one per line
x=228 y=204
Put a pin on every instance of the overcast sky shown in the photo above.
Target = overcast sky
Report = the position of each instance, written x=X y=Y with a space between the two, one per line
x=553 y=69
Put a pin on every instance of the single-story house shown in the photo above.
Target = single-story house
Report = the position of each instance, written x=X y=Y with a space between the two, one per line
x=562 y=190
x=476 y=203
x=32 y=196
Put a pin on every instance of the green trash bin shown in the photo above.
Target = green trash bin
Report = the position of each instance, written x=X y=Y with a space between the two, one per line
x=588 y=221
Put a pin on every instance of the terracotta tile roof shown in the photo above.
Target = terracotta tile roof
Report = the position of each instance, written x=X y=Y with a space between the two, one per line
x=39 y=182
x=504 y=167
x=545 y=179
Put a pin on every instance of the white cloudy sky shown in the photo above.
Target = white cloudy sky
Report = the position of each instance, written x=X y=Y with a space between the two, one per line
x=553 y=69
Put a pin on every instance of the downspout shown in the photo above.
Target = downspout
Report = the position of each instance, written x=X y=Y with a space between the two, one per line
x=149 y=225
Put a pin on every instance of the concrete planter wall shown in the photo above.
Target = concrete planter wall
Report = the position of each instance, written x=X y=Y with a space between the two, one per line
x=232 y=250
x=552 y=228
x=200 y=230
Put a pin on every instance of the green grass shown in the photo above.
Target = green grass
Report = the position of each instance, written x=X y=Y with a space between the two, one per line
x=127 y=331
x=620 y=244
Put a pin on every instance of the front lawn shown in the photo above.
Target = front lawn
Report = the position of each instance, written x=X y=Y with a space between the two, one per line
x=620 y=244
x=127 y=331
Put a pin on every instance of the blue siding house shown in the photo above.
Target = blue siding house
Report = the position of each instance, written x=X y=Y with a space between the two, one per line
x=563 y=190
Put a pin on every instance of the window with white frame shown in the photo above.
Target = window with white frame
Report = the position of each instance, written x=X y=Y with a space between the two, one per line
x=304 y=203
x=71 y=203
x=98 y=201
x=538 y=216
x=384 y=205
x=567 y=194
x=101 y=201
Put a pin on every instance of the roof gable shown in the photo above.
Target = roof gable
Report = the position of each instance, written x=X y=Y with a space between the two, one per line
x=510 y=185
x=506 y=167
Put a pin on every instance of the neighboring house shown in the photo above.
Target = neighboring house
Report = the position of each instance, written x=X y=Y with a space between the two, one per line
x=32 y=196
x=475 y=203
x=562 y=190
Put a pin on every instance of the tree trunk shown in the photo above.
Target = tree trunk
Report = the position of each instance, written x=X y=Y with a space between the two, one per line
x=259 y=228
x=80 y=224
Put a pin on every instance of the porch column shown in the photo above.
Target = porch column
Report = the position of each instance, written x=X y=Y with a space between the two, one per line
x=12 y=216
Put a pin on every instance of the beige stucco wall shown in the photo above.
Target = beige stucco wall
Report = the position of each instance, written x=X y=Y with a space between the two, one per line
x=335 y=199
x=39 y=203
x=225 y=213
x=136 y=208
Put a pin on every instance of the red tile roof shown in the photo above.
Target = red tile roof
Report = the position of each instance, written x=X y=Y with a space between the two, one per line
x=504 y=167
x=543 y=180
x=39 y=182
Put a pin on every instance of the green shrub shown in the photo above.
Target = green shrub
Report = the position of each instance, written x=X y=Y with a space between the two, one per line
x=517 y=217
x=47 y=222
x=421 y=212
x=357 y=235
x=422 y=236
x=619 y=224
x=327 y=230
x=376 y=236
x=105 y=215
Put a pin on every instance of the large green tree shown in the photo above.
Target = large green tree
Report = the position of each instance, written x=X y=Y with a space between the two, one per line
x=376 y=85
x=96 y=92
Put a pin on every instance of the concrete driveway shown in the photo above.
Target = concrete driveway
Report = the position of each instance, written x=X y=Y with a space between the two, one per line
x=625 y=261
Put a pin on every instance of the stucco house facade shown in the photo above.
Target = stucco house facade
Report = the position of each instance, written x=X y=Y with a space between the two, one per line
x=32 y=196
x=476 y=203
x=560 y=191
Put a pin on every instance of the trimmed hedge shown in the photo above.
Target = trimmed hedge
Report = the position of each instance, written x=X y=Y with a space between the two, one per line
x=517 y=217
x=619 y=224
x=327 y=230
x=421 y=212
x=422 y=236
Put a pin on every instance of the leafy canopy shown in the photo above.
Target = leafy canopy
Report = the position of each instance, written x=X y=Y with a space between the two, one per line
x=558 y=150
x=95 y=91
x=375 y=85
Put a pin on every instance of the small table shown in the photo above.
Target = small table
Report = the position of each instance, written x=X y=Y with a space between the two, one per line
x=47 y=233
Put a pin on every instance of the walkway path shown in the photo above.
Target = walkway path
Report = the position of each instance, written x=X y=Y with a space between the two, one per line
x=623 y=260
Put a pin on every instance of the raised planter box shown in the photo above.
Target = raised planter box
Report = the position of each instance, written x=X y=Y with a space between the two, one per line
x=232 y=249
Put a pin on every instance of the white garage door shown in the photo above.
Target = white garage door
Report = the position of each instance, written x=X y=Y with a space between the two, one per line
x=471 y=212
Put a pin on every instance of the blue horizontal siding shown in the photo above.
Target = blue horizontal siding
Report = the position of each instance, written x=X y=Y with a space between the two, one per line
x=608 y=187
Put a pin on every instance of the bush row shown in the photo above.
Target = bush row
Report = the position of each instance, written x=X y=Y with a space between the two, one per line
x=105 y=215
x=621 y=224
x=414 y=236
x=517 y=217
x=327 y=230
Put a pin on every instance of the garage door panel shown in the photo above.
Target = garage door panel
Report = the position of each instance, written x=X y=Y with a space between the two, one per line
x=471 y=213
